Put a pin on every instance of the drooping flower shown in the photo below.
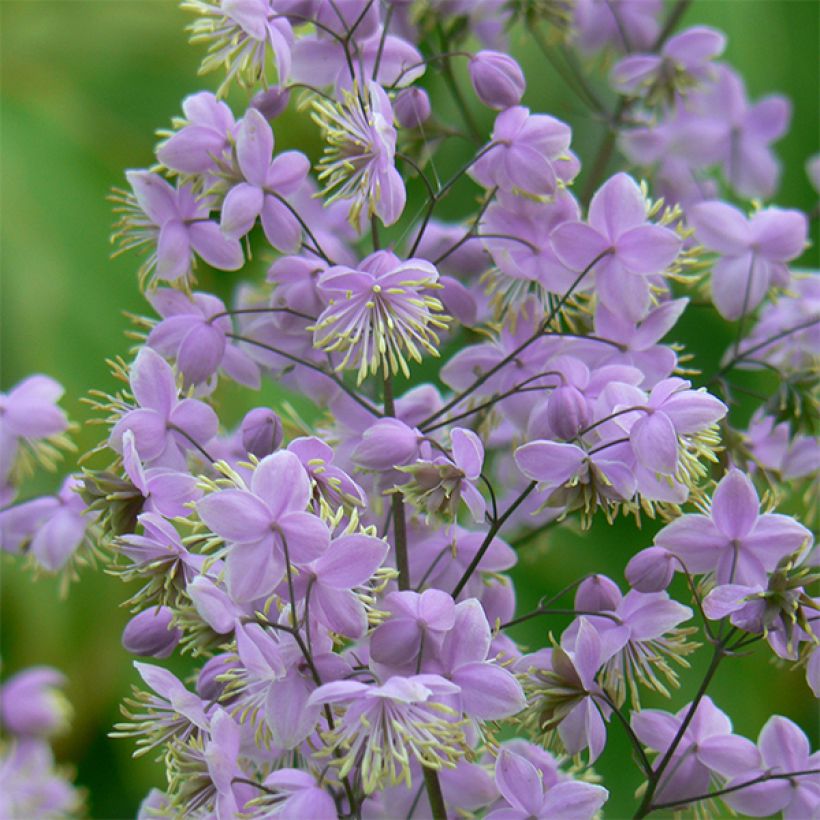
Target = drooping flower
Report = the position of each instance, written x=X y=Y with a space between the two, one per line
x=358 y=164
x=379 y=313
x=386 y=726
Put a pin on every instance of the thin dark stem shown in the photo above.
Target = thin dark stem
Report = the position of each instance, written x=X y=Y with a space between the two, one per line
x=244 y=311
x=537 y=613
x=472 y=230
x=657 y=773
x=313 y=366
x=542 y=329
x=494 y=528
x=397 y=504
x=193 y=441
x=434 y=794
x=729 y=789
x=633 y=738
x=303 y=224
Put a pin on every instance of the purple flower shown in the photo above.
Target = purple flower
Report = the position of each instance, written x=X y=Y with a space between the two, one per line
x=262 y=432
x=528 y=153
x=358 y=164
x=632 y=248
x=265 y=525
x=149 y=633
x=650 y=570
x=682 y=60
x=202 y=138
x=194 y=333
x=386 y=726
x=267 y=184
x=379 y=313
x=297 y=795
x=174 y=225
x=31 y=703
x=783 y=748
x=624 y=24
x=330 y=482
x=497 y=79
x=734 y=541
x=412 y=107
x=707 y=747
x=163 y=426
x=522 y=788
x=753 y=252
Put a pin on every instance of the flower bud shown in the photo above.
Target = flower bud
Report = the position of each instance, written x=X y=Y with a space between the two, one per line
x=149 y=633
x=412 y=107
x=497 y=79
x=387 y=444
x=261 y=432
x=598 y=593
x=567 y=412
x=31 y=703
x=651 y=570
x=271 y=102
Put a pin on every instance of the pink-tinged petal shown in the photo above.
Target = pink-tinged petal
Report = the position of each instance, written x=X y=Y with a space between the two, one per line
x=628 y=74
x=739 y=284
x=152 y=382
x=587 y=655
x=468 y=451
x=529 y=170
x=282 y=483
x=475 y=502
x=779 y=235
x=651 y=615
x=695 y=539
x=657 y=324
x=518 y=781
x=648 y=249
x=214 y=247
x=768 y=119
x=583 y=728
x=197 y=419
x=281 y=227
x=508 y=814
x=30 y=408
x=729 y=755
x=813 y=672
x=338 y=691
x=655 y=728
x=254 y=147
x=340 y=610
x=252 y=571
x=783 y=745
x=695 y=46
x=617 y=477
x=395 y=642
x=693 y=410
x=576 y=245
x=776 y=536
x=287 y=172
x=392 y=196
x=549 y=461
x=469 y=640
x=190 y=150
x=573 y=800
x=235 y=515
x=720 y=227
x=759 y=800
x=213 y=605
x=617 y=207
x=306 y=536
x=148 y=430
x=173 y=251
x=56 y=540
x=725 y=599
x=753 y=170
x=397 y=56
x=437 y=609
x=622 y=291
x=200 y=353
x=350 y=561
x=239 y=210
x=315 y=803
x=735 y=505
x=489 y=692
x=655 y=442
x=155 y=196
x=287 y=712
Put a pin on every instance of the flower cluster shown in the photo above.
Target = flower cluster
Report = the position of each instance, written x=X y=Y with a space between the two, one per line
x=341 y=586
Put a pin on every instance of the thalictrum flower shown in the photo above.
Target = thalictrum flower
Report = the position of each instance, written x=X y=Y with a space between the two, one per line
x=734 y=541
x=379 y=313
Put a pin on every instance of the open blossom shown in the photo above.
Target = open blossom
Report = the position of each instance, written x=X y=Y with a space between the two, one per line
x=174 y=226
x=359 y=158
x=628 y=247
x=528 y=153
x=268 y=181
x=753 y=252
x=734 y=541
x=379 y=313
x=265 y=525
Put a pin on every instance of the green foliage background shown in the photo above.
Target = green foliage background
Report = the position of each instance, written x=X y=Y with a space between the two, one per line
x=85 y=83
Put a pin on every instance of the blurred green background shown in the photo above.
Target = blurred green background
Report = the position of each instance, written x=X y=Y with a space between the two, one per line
x=85 y=83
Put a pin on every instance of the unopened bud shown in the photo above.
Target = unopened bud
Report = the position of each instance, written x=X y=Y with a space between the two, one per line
x=271 y=102
x=412 y=107
x=598 y=594
x=149 y=633
x=497 y=79
x=651 y=570
x=567 y=412
x=262 y=432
